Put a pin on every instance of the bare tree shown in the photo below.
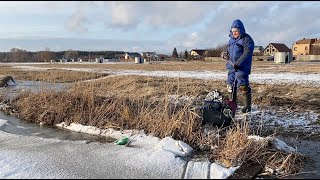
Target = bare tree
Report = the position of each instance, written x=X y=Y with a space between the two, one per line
x=44 y=56
x=215 y=52
x=71 y=54
x=19 y=55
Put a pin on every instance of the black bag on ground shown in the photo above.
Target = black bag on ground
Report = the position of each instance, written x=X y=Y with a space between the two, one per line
x=215 y=111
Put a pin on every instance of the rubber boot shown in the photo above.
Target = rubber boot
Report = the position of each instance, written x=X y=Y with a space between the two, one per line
x=247 y=103
x=246 y=94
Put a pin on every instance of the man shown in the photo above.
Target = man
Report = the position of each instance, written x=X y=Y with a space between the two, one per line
x=239 y=61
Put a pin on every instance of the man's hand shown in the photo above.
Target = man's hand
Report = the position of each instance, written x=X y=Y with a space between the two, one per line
x=236 y=67
x=225 y=55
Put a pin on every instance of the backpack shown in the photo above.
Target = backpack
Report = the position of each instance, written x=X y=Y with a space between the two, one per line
x=216 y=111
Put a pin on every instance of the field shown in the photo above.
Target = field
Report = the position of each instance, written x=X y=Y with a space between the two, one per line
x=99 y=95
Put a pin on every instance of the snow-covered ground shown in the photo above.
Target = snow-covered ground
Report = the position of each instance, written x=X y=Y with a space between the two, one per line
x=310 y=79
x=272 y=117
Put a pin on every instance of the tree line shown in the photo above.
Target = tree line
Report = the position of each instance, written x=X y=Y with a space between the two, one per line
x=212 y=52
x=21 y=55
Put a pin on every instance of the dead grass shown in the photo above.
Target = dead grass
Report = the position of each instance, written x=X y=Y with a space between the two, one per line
x=142 y=103
x=236 y=148
x=295 y=98
x=53 y=76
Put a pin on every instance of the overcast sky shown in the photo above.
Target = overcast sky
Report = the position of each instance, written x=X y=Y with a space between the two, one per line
x=152 y=25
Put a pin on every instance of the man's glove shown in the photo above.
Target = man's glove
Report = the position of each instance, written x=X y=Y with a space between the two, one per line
x=236 y=67
x=225 y=55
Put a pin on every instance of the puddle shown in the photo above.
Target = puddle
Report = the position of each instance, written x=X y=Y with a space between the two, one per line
x=19 y=127
x=34 y=86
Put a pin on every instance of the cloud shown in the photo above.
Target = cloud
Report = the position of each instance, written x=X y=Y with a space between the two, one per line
x=78 y=21
x=282 y=22
x=36 y=7
x=131 y=14
x=177 y=14
x=184 y=24
x=185 y=41
x=122 y=14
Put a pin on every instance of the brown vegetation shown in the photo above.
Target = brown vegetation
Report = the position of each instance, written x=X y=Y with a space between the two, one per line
x=143 y=103
x=52 y=75
x=147 y=103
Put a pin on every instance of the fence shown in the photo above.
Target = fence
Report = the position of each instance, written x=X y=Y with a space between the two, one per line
x=307 y=57
x=261 y=58
x=213 y=59
x=254 y=58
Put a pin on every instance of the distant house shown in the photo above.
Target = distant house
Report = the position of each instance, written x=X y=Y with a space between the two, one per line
x=275 y=47
x=303 y=47
x=91 y=58
x=257 y=49
x=63 y=60
x=130 y=56
x=162 y=57
x=147 y=54
x=198 y=53
x=316 y=47
x=150 y=56
x=108 y=58
x=120 y=55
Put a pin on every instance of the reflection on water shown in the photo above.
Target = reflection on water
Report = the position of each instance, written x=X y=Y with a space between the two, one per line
x=34 y=86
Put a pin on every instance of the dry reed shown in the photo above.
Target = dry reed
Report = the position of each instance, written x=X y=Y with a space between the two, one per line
x=144 y=103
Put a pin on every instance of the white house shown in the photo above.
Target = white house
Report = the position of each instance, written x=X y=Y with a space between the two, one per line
x=129 y=55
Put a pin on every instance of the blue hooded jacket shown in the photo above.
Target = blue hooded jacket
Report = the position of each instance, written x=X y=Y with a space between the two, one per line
x=240 y=50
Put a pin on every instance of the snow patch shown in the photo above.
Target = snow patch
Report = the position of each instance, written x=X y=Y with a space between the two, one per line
x=277 y=143
x=80 y=128
x=280 y=145
x=219 y=172
x=3 y=123
x=197 y=170
x=178 y=148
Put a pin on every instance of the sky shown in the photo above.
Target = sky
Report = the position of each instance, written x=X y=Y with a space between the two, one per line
x=137 y=26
